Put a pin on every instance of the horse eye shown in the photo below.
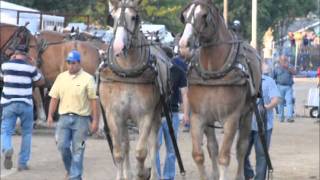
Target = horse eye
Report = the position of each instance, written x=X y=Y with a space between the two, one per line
x=204 y=16
x=135 y=18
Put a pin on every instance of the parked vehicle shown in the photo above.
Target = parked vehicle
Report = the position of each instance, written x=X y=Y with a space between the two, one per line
x=313 y=102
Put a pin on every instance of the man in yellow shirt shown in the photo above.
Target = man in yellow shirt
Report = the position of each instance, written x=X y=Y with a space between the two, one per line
x=74 y=90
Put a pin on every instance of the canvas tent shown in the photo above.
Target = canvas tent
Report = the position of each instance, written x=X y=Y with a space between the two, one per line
x=15 y=14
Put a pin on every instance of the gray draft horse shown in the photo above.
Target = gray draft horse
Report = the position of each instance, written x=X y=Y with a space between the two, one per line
x=128 y=90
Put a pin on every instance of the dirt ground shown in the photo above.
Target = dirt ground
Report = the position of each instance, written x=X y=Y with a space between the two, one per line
x=294 y=151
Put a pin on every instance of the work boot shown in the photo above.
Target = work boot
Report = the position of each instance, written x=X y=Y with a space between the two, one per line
x=23 y=168
x=8 y=159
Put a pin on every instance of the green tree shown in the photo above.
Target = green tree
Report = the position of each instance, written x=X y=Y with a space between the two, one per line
x=271 y=13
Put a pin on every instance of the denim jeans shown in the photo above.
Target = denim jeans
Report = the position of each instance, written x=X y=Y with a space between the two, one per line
x=261 y=164
x=286 y=93
x=10 y=114
x=71 y=133
x=169 y=170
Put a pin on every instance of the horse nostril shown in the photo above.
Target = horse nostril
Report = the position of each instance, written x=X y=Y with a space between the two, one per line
x=188 y=43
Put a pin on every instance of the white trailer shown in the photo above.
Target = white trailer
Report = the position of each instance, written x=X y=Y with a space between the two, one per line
x=15 y=14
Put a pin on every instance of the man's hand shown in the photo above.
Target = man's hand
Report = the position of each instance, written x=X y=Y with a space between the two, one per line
x=186 y=119
x=94 y=126
x=50 y=121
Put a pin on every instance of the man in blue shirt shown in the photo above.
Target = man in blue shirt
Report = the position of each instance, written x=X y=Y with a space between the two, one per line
x=16 y=100
x=271 y=98
x=283 y=75
x=179 y=95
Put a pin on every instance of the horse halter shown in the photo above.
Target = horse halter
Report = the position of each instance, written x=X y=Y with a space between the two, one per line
x=198 y=33
x=122 y=22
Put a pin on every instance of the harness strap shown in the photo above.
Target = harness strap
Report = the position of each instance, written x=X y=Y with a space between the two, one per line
x=104 y=118
x=167 y=113
x=226 y=68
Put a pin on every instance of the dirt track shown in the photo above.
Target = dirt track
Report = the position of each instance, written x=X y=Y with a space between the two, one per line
x=294 y=151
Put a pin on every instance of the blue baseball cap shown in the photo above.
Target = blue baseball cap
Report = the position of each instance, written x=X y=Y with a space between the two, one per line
x=73 y=56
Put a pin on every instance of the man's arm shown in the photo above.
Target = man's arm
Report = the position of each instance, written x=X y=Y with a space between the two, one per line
x=40 y=82
x=94 y=115
x=273 y=103
x=185 y=105
x=52 y=109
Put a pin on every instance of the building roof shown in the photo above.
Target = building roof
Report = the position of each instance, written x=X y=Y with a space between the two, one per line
x=16 y=7
x=302 y=24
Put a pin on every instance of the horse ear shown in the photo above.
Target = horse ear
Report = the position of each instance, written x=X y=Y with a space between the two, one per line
x=182 y=19
x=136 y=2
x=114 y=3
x=110 y=20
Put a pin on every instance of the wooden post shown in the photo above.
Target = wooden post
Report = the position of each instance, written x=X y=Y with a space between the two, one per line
x=225 y=11
x=254 y=24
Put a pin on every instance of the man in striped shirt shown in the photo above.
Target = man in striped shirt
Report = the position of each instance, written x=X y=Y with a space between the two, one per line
x=16 y=99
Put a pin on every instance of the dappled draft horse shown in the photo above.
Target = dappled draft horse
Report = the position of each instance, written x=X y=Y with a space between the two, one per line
x=224 y=80
x=128 y=90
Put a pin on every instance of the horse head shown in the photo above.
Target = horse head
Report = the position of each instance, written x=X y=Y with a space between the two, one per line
x=13 y=36
x=126 y=24
x=203 y=24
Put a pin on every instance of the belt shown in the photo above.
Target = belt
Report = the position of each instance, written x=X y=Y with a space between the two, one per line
x=70 y=114
x=73 y=114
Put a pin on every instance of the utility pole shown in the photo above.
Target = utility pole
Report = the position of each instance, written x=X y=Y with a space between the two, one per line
x=225 y=11
x=254 y=24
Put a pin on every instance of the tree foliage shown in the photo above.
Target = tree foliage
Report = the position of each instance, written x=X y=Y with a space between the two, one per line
x=271 y=13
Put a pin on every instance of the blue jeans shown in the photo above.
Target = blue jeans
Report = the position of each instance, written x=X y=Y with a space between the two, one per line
x=261 y=164
x=169 y=170
x=10 y=114
x=286 y=93
x=71 y=133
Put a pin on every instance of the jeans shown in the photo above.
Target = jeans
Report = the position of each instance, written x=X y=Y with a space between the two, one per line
x=261 y=164
x=71 y=133
x=286 y=93
x=10 y=114
x=169 y=170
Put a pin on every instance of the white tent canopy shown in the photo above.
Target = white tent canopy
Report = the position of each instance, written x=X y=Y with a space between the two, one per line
x=15 y=14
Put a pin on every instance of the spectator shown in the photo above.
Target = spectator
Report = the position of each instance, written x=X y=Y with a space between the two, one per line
x=16 y=100
x=283 y=75
x=179 y=91
x=271 y=98
x=75 y=91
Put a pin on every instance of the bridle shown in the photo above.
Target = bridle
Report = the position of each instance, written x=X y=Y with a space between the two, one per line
x=135 y=41
x=20 y=36
x=122 y=22
x=211 y=20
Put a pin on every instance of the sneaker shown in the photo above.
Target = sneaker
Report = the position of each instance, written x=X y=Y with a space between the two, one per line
x=290 y=120
x=8 y=159
x=23 y=168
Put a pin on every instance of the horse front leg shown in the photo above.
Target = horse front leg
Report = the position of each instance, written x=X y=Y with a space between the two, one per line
x=213 y=150
x=41 y=115
x=154 y=146
x=197 y=129
x=145 y=126
x=117 y=128
x=127 y=167
x=242 y=144
x=229 y=130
